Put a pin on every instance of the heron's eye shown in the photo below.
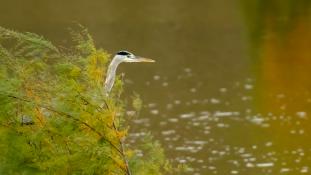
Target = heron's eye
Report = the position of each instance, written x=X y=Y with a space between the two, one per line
x=128 y=56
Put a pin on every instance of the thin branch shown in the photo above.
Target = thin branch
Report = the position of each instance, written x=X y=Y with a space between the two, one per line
x=70 y=117
x=120 y=166
x=128 y=171
x=99 y=108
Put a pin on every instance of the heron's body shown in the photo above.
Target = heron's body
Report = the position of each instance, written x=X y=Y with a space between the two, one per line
x=122 y=56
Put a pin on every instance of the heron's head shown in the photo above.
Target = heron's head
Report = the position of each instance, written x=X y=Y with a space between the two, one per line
x=125 y=56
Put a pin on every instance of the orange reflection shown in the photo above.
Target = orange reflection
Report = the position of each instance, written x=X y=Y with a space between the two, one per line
x=285 y=67
x=280 y=33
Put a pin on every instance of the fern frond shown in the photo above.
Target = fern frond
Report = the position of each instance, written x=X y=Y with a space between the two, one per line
x=27 y=44
x=4 y=52
x=84 y=42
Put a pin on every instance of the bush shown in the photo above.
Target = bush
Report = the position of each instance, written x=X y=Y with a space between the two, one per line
x=55 y=117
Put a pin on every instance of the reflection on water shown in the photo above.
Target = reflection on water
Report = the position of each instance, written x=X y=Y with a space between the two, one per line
x=216 y=139
x=230 y=92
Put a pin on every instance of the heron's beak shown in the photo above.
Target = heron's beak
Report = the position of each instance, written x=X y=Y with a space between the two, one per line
x=142 y=59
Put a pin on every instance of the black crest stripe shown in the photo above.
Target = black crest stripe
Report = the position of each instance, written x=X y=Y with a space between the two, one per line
x=123 y=53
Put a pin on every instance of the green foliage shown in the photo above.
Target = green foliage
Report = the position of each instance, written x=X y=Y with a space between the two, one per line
x=54 y=116
x=137 y=102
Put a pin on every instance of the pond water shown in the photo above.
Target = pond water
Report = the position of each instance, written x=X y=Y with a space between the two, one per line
x=230 y=91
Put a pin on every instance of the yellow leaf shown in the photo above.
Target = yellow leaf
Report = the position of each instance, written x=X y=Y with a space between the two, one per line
x=121 y=134
x=75 y=72
x=129 y=153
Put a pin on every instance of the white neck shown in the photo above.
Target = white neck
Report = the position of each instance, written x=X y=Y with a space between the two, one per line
x=111 y=74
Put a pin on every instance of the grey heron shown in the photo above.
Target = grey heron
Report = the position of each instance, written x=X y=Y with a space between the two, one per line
x=120 y=57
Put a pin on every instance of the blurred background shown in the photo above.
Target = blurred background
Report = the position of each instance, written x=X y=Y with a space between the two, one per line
x=230 y=91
